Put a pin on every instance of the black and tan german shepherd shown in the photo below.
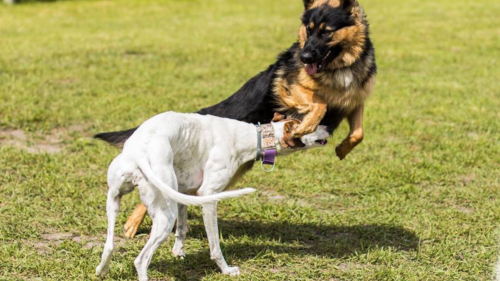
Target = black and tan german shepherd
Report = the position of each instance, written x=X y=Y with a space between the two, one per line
x=323 y=78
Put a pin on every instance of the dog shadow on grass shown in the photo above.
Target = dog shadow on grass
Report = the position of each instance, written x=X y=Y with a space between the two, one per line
x=295 y=239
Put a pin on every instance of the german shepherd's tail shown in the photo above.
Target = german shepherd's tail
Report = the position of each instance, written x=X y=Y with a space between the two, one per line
x=117 y=138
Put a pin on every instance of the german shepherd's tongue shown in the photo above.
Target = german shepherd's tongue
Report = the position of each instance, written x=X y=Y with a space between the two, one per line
x=312 y=68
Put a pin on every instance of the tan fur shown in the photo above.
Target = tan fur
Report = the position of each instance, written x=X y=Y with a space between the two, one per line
x=355 y=135
x=278 y=117
x=333 y=3
x=302 y=36
x=134 y=221
x=288 y=129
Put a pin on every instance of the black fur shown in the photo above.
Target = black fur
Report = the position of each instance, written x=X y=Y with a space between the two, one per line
x=117 y=138
x=253 y=103
x=334 y=17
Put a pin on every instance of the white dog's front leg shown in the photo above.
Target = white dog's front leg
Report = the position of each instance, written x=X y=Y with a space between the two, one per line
x=180 y=232
x=210 y=220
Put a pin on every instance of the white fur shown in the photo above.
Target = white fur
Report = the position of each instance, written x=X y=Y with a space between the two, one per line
x=344 y=78
x=172 y=154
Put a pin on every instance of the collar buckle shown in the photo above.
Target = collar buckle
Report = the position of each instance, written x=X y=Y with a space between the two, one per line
x=259 y=142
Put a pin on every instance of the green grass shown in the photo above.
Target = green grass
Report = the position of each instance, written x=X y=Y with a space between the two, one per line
x=418 y=200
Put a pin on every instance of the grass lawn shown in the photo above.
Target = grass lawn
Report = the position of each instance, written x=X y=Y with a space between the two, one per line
x=418 y=200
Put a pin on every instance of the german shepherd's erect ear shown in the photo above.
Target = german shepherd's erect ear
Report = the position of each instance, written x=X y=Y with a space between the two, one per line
x=344 y=4
x=347 y=4
x=308 y=4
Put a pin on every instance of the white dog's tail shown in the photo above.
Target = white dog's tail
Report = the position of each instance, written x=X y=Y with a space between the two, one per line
x=183 y=198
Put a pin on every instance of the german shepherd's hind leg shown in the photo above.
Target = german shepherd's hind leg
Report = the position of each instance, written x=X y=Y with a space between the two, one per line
x=355 y=135
x=180 y=232
x=134 y=221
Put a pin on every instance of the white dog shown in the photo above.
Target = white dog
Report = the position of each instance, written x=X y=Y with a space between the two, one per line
x=173 y=154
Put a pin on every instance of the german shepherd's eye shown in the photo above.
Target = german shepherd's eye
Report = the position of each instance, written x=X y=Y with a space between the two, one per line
x=328 y=33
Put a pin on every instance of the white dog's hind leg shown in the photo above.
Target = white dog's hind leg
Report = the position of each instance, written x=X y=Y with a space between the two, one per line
x=163 y=222
x=162 y=210
x=210 y=220
x=112 y=208
x=180 y=232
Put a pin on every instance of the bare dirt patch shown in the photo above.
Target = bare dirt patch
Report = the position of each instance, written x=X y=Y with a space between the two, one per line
x=51 y=240
x=464 y=210
x=51 y=142
x=68 y=81
x=56 y=236
x=273 y=195
x=467 y=179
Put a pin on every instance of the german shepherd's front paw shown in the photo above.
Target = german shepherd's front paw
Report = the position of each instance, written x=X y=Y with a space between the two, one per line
x=291 y=142
x=301 y=131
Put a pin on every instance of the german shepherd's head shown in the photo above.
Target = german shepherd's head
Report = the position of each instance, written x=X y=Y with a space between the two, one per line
x=332 y=34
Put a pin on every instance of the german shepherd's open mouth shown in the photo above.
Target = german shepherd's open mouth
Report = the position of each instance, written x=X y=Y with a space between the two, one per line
x=319 y=66
x=322 y=142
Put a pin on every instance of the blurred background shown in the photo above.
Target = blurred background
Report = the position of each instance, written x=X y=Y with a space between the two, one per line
x=417 y=200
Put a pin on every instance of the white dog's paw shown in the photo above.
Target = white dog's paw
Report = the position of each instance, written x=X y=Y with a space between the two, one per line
x=101 y=271
x=232 y=271
x=178 y=252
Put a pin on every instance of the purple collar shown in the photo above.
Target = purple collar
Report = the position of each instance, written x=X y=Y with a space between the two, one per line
x=266 y=146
